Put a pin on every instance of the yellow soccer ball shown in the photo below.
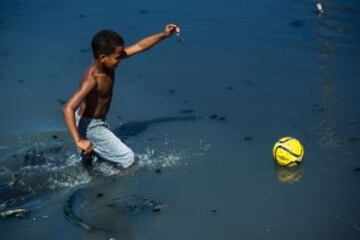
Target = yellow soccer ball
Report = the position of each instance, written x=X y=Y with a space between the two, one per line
x=288 y=152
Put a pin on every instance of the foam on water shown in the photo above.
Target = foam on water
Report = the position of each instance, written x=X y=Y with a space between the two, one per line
x=151 y=159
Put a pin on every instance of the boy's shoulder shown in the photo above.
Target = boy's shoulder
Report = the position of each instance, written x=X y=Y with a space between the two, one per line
x=93 y=74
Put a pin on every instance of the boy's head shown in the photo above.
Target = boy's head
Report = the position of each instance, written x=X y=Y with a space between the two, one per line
x=107 y=46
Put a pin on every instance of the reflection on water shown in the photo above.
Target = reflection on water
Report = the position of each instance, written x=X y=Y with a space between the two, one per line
x=289 y=174
x=327 y=52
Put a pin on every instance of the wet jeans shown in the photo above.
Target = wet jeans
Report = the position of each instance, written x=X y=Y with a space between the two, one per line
x=105 y=144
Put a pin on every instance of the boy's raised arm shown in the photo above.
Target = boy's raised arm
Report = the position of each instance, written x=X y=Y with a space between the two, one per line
x=150 y=41
x=69 y=114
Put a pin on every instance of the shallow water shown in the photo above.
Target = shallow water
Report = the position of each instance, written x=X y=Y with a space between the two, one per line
x=269 y=69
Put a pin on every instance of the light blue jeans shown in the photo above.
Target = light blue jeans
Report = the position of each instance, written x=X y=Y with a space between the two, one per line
x=105 y=144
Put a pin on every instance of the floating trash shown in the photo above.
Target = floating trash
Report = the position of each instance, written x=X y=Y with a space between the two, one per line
x=20 y=212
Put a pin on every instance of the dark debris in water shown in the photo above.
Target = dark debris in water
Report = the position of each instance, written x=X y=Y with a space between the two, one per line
x=223 y=119
x=213 y=116
x=61 y=101
x=171 y=91
x=352 y=121
x=230 y=88
x=85 y=50
x=249 y=83
x=5 y=54
x=144 y=203
x=143 y=11
x=186 y=111
x=157 y=208
x=158 y=170
x=214 y=210
x=296 y=23
x=99 y=195
x=132 y=208
x=354 y=139
x=217 y=117
x=247 y=138
x=357 y=169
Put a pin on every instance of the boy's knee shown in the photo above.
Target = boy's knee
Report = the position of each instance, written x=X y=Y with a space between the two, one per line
x=126 y=159
x=130 y=159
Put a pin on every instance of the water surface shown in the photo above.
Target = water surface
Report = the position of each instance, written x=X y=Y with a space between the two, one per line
x=265 y=69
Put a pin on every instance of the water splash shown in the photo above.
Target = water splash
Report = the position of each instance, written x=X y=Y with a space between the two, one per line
x=45 y=166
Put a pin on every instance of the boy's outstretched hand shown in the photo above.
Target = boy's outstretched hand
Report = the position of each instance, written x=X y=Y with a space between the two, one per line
x=170 y=29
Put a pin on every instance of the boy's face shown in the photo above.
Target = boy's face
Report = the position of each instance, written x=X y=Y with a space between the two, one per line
x=112 y=60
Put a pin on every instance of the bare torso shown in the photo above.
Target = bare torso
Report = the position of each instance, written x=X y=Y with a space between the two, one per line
x=97 y=102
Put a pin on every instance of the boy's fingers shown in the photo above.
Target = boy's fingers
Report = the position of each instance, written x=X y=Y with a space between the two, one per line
x=173 y=27
x=90 y=148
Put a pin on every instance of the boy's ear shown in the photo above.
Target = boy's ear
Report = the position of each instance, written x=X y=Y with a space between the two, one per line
x=102 y=57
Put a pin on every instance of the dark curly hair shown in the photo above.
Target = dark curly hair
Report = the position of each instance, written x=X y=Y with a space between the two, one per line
x=105 y=42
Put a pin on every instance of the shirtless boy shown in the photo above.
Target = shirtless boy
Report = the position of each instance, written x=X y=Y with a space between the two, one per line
x=86 y=110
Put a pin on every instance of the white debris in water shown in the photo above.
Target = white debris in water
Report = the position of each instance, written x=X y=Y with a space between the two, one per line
x=320 y=8
x=20 y=212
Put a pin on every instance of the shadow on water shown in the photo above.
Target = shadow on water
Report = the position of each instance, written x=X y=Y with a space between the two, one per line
x=132 y=129
x=45 y=162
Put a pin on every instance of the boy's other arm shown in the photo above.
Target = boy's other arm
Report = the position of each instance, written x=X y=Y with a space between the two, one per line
x=150 y=41
x=69 y=114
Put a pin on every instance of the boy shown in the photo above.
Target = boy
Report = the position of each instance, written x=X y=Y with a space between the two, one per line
x=86 y=110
